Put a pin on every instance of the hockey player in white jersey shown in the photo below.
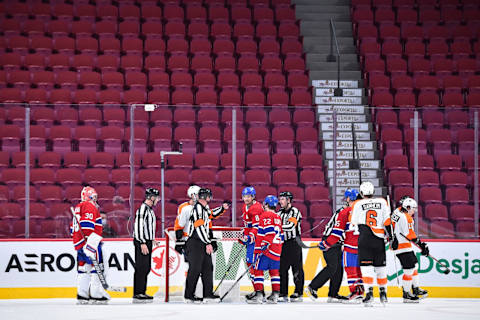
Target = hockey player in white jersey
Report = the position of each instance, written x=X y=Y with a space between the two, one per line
x=183 y=219
x=403 y=233
x=370 y=215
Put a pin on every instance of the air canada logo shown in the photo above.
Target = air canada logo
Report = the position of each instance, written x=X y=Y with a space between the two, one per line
x=158 y=260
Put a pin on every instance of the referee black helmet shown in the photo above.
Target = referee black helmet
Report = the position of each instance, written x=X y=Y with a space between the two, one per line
x=286 y=194
x=149 y=192
x=203 y=193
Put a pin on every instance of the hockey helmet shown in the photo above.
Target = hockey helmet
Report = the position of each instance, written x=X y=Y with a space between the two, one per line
x=351 y=194
x=204 y=193
x=271 y=201
x=88 y=194
x=193 y=191
x=367 y=189
x=400 y=201
x=409 y=203
x=249 y=191
x=149 y=192
x=286 y=194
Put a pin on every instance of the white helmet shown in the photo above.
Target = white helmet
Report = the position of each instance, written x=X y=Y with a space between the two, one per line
x=409 y=203
x=367 y=189
x=192 y=192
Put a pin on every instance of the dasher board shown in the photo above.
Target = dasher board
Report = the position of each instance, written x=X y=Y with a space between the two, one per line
x=348 y=155
x=333 y=83
x=328 y=126
x=341 y=191
x=346 y=135
x=338 y=100
x=329 y=92
x=340 y=109
x=364 y=164
x=342 y=118
x=353 y=182
x=348 y=145
x=354 y=173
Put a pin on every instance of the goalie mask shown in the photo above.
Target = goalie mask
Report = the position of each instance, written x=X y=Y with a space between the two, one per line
x=88 y=194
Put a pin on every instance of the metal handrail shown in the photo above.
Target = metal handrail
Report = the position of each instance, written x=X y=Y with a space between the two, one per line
x=332 y=58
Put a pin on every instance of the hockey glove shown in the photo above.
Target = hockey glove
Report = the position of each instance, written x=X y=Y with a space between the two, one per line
x=91 y=247
x=227 y=202
x=180 y=247
x=179 y=234
x=394 y=244
x=245 y=240
x=323 y=245
x=425 y=251
x=214 y=245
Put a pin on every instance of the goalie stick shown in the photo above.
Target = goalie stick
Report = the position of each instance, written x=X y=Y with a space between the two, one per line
x=447 y=270
x=96 y=265
x=240 y=278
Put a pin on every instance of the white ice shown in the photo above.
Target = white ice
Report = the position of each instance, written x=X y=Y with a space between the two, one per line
x=123 y=309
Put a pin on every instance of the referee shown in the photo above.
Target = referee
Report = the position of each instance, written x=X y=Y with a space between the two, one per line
x=291 y=251
x=199 y=249
x=143 y=240
x=333 y=271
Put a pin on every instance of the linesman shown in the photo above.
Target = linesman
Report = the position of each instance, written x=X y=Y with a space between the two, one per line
x=143 y=240
x=291 y=252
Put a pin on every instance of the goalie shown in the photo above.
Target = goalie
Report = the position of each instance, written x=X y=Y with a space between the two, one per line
x=86 y=231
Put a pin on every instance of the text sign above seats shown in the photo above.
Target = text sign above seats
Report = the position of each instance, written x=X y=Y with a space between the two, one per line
x=345 y=84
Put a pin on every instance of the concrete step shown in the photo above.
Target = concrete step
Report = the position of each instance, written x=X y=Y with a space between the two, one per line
x=352 y=118
x=315 y=16
x=348 y=164
x=355 y=173
x=347 y=32
x=309 y=41
x=330 y=92
x=324 y=25
x=345 y=100
x=322 y=57
x=348 y=145
x=348 y=155
x=344 y=182
x=322 y=2
x=346 y=127
x=345 y=9
x=344 y=84
x=332 y=66
x=350 y=75
x=325 y=48
x=346 y=136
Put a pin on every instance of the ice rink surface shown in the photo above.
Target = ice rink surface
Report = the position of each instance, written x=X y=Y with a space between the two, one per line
x=123 y=309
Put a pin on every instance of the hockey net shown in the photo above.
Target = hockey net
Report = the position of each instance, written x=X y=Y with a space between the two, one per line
x=230 y=253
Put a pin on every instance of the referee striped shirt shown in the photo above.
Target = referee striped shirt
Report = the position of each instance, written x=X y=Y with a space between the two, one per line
x=331 y=225
x=291 y=220
x=145 y=222
x=199 y=223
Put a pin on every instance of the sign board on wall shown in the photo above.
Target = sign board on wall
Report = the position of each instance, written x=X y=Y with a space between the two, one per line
x=40 y=265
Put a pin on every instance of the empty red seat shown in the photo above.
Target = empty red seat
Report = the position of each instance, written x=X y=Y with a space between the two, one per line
x=258 y=161
x=436 y=212
x=69 y=177
x=203 y=177
x=210 y=137
x=428 y=178
x=257 y=177
x=151 y=177
x=430 y=195
x=454 y=179
x=317 y=195
x=207 y=161
x=462 y=212
x=259 y=138
x=454 y=196
x=101 y=160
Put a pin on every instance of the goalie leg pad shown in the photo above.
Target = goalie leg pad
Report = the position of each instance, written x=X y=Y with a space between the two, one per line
x=83 y=280
x=96 y=288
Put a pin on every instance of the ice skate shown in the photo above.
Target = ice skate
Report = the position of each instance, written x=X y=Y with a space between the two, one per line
x=368 y=300
x=142 y=298
x=296 y=297
x=337 y=299
x=82 y=300
x=356 y=296
x=311 y=293
x=273 y=298
x=256 y=299
x=383 y=296
x=410 y=298
x=420 y=293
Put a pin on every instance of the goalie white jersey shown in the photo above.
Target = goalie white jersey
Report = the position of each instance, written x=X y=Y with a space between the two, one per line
x=372 y=212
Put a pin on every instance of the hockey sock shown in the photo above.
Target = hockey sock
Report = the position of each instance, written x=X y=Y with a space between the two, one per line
x=258 y=280
x=251 y=273
x=381 y=276
x=367 y=275
x=407 y=279
x=415 y=281
x=353 y=277
x=275 y=278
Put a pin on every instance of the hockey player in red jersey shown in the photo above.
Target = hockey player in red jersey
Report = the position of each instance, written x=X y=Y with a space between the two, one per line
x=87 y=239
x=268 y=249
x=251 y=212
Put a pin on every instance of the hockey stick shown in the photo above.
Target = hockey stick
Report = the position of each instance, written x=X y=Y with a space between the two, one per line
x=391 y=229
x=96 y=265
x=247 y=270
x=302 y=244
x=447 y=271
x=228 y=269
